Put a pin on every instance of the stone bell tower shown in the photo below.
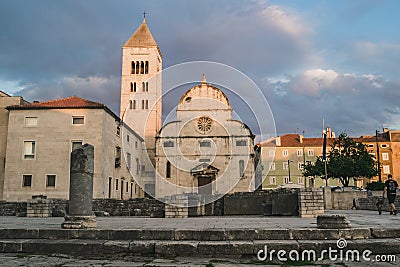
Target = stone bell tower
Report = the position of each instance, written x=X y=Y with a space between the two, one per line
x=141 y=90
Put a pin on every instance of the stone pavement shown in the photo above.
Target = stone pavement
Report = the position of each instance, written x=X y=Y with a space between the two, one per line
x=357 y=218
x=201 y=241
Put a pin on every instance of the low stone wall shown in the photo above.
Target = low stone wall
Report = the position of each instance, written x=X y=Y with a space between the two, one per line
x=248 y=203
x=369 y=203
x=132 y=207
x=344 y=200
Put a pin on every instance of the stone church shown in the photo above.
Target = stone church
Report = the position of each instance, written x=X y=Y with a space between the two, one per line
x=205 y=151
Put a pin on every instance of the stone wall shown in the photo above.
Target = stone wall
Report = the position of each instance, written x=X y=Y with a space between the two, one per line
x=311 y=202
x=344 y=200
x=369 y=203
x=132 y=207
x=39 y=206
x=248 y=203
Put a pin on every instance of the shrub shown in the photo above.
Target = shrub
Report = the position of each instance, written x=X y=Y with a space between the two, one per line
x=375 y=186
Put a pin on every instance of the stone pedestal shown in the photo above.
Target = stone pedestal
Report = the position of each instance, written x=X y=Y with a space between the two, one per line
x=311 y=202
x=334 y=221
x=81 y=189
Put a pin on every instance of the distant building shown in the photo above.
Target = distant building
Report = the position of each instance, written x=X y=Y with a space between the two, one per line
x=41 y=136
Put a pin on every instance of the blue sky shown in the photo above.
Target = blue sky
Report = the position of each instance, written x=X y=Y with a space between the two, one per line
x=337 y=60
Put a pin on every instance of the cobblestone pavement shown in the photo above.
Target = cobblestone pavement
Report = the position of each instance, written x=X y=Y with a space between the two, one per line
x=7 y=259
x=358 y=218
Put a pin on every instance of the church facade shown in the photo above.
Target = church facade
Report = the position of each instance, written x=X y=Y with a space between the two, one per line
x=204 y=151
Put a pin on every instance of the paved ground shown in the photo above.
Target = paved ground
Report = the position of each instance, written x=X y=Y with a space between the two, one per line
x=358 y=218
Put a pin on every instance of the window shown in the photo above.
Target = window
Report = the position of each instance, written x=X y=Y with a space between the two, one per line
x=241 y=168
x=147 y=86
x=75 y=145
x=204 y=160
x=116 y=184
x=241 y=143
x=134 y=104
x=271 y=152
x=272 y=180
x=31 y=121
x=300 y=180
x=29 y=149
x=133 y=67
x=136 y=144
x=142 y=104
x=370 y=145
x=118 y=130
x=386 y=169
x=131 y=87
x=205 y=144
x=51 y=180
x=285 y=153
x=126 y=187
x=137 y=166
x=127 y=138
x=285 y=165
x=286 y=180
x=146 y=67
x=130 y=104
x=168 y=144
x=299 y=165
x=299 y=152
x=310 y=152
x=143 y=86
x=384 y=146
x=128 y=160
x=143 y=169
x=147 y=104
x=78 y=120
x=385 y=156
x=117 y=157
x=272 y=166
x=168 y=170
x=372 y=154
x=27 y=180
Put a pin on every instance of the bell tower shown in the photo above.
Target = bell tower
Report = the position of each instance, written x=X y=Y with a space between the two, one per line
x=141 y=90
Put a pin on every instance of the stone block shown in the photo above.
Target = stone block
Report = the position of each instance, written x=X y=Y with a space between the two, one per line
x=385 y=233
x=232 y=248
x=200 y=235
x=116 y=247
x=175 y=248
x=334 y=221
x=11 y=246
x=356 y=233
x=140 y=247
x=314 y=234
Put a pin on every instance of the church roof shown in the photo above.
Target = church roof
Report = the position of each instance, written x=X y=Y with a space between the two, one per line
x=141 y=37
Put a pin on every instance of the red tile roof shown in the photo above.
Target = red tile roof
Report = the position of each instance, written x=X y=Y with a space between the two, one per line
x=68 y=102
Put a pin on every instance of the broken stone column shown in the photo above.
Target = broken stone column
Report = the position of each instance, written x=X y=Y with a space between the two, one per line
x=80 y=214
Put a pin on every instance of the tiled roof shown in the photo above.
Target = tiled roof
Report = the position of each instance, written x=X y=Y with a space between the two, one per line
x=68 y=102
x=295 y=140
x=141 y=37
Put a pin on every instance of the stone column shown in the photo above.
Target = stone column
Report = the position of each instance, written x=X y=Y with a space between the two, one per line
x=80 y=214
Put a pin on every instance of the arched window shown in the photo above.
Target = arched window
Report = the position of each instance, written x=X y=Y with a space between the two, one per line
x=142 y=104
x=130 y=104
x=137 y=67
x=146 y=67
x=147 y=104
x=134 y=87
x=131 y=87
x=133 y=69
x=134 y=104
x=143 y=86
x=141 y=67
x=241 y=168
x=168 y=170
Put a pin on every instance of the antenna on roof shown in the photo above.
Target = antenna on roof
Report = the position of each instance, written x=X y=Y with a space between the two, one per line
x=144 y=14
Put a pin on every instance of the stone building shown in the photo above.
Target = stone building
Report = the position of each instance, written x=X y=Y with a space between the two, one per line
x=204 y=151
x=41 y=136
x=5 y=101
x=141 y=94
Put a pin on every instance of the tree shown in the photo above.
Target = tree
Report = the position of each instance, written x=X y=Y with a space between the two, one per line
x=346 y=160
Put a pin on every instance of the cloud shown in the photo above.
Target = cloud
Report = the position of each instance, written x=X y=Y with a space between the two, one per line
x=358 y=104
x=96 y=88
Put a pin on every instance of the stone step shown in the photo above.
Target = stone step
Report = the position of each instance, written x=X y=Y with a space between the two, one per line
x=163 y=248
x=202 y=234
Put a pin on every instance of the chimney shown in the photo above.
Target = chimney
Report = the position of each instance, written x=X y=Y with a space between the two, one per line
x=278 y=141
x=301 y=139
x=328 y=132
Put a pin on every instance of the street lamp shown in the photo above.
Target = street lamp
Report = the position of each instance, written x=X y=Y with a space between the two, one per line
x=288 y=164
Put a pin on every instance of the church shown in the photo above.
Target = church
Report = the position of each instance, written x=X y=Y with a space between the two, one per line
x=204 y=151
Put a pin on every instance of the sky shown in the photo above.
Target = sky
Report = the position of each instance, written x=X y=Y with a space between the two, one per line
x=337 y=61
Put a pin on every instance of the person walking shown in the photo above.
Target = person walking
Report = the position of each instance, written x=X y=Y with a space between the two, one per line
x=391 y=188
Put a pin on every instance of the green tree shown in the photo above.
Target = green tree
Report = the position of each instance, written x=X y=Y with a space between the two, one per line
x=346 y=160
